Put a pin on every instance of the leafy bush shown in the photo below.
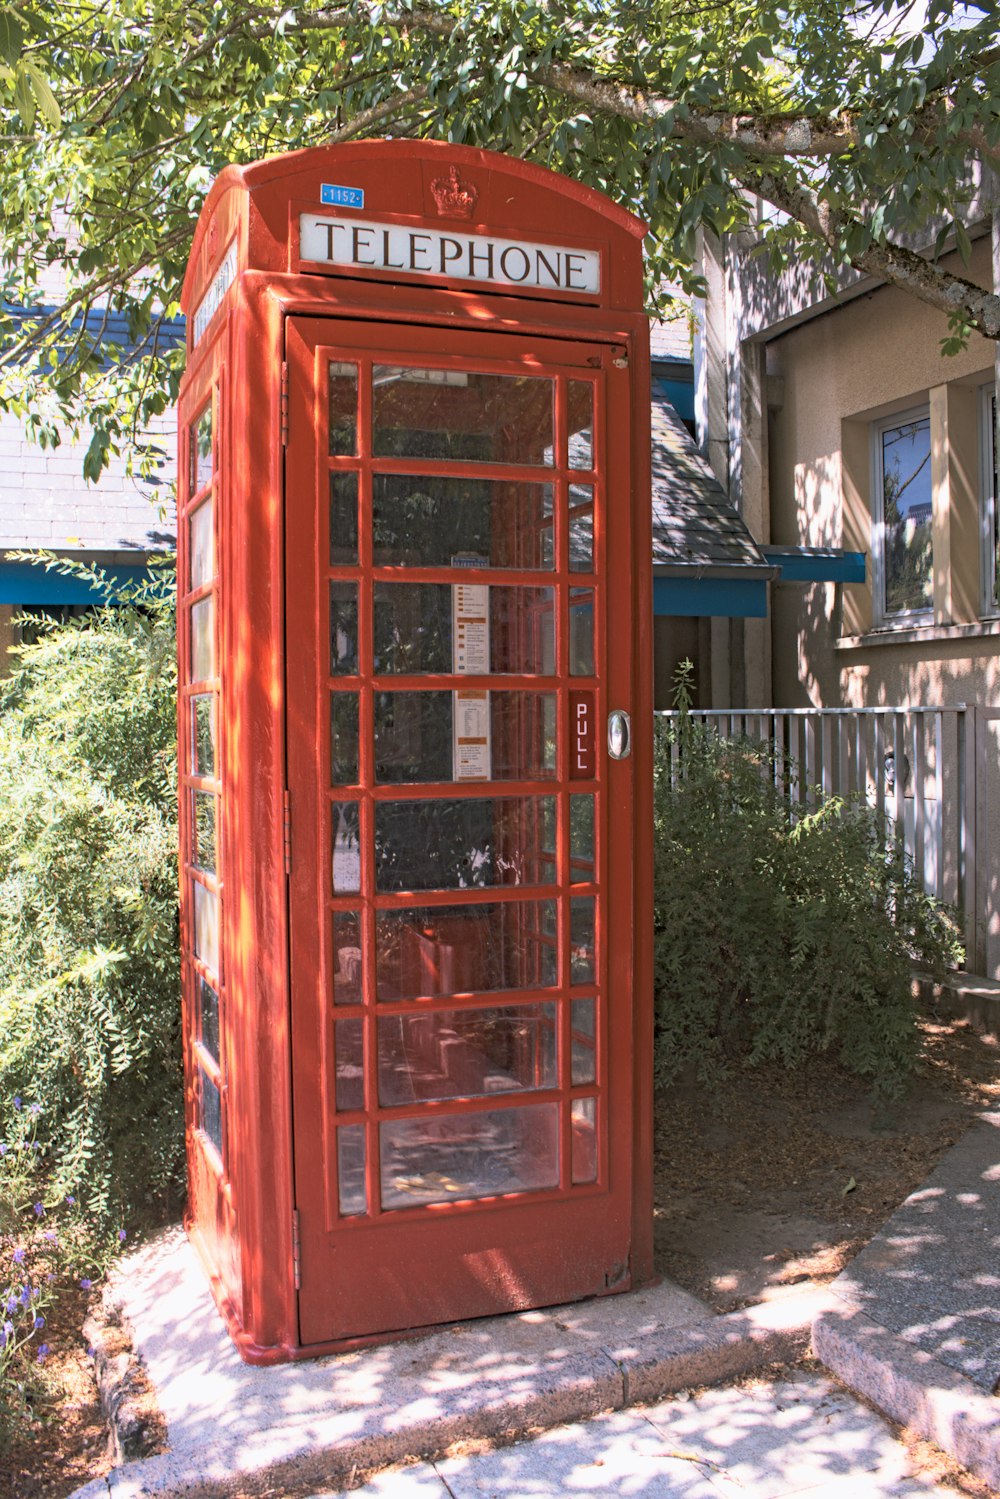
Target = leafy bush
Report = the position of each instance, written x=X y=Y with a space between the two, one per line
x=89 y=1011
x=780 y=935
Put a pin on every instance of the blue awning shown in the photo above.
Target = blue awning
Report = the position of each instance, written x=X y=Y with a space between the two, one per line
x=31 y=584
x=817 y=564
x=723 y=598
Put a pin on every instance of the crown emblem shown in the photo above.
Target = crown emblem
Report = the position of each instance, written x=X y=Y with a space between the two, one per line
x=455 y=199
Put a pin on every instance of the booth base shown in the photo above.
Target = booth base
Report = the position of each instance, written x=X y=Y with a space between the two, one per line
x=232 y=1428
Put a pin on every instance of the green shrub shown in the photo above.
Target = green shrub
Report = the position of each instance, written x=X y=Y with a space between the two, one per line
x=89 y=1009
x=780 y=935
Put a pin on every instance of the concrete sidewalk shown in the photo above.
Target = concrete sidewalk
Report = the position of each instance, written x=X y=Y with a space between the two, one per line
x=800 y=1435
x=232 y=1429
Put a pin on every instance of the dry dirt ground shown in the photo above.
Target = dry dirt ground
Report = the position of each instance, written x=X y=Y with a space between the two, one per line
x=779 y=1178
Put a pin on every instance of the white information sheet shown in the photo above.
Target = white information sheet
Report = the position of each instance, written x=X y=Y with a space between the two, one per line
x=470 y=633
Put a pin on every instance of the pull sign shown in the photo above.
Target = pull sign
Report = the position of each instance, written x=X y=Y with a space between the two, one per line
x=582 y=758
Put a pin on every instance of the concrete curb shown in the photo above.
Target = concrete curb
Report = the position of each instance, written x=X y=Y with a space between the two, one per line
x=318 y=1453
x=912 y=1388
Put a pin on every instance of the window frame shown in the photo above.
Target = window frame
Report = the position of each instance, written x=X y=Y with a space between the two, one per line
x=989 y=503
x=883 y=618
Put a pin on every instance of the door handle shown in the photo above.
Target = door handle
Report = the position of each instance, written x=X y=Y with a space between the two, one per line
x=619 y=735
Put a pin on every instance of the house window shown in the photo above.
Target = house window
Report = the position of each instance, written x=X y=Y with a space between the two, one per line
x=903 y=547
x=990 y=491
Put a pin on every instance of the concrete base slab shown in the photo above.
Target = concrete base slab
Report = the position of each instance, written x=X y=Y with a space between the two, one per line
x=236 y=1429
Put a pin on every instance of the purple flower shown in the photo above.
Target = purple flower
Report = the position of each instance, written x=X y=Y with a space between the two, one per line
x=49 y=1278
x=50 y=1235
x=36 y=1108
x=12 y=1303
x=3 y=1148
x=17 y=1104
x=71 y=1200
x=25 y=1296
x=122 y=1236
x=90 y=1350
x=39 y=1210
x=85 y=1284
x=8 y=1328
x=18 y=1256
x=43 y=1353
x=39 y=1322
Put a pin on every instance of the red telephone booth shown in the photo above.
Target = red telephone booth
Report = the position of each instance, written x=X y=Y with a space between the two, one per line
x=415 y=742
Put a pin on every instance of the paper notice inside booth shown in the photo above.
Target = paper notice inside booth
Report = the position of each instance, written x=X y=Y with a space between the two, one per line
x=470 y=633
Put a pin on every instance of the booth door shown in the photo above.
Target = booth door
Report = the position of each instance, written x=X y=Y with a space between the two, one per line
x=458 y=629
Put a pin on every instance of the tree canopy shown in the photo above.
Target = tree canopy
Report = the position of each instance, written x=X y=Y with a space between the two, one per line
x=860 y=124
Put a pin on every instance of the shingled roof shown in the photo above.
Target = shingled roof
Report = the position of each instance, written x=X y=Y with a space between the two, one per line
x=696 y=529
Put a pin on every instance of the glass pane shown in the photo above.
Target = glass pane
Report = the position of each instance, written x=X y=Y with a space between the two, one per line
x=436 y=1054
x=349 y=1051
x=208 y=1017
x=343 y=409
x=581 y=838
x=353 y=1192
x=581 y=528
x=203 y=640
x=584 y=1130
x=343 y=738
x=203 y=735
x=437 y=413
x=906 y=499
x=343 y=519
x=436 y=736
x=993 y=481
x=472 y=1155
x=346 y=848
x=201 y=545
x=425 y=522
x=347 y=958
x=201 y=450
x=460 y=844
x=581 y=424
x=582 y=967
x=343 y=629
x=203 y=830
x=581 y=632
x=211 y=1110
x=206 y=926
x=414 y=628
x=439 y=950
x=584 y=1054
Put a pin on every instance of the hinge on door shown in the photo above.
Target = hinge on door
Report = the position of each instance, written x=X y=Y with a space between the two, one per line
x=287 y=805
x=284 y=405
x=296 y=1250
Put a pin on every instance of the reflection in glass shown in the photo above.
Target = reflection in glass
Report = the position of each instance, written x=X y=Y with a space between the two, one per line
x=414 y=736
x=202 y=545
x=203 y=830
x=461 y=844
x=459 y=414
x=462 y=1156
x=581 y=528
x=343 y=409
x=429 y=522
x=343 y=629
x=206 y=926
x=208 y=1017
x=347 y=958
x=582 y=967
x=201 y=451
x=210 y=1110
x=343 y=738
x=907 y=506
x=203 y=735
x=343 y=519
x=434 y=950
x=438 y=1054
x=584 y=1055
x=346 y=848
x=352 y=1190
x=581 y=424
x=584 y=1131
x=581 y=837
x=413 y=629
x=348 y=1048
x=203 y=640
x=581 y=632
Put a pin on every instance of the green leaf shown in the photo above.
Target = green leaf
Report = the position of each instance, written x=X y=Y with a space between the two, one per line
x=24 y=97
x=11 y=35
x=44 y=97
